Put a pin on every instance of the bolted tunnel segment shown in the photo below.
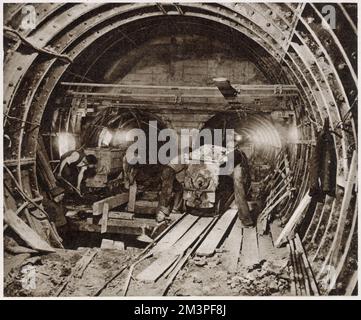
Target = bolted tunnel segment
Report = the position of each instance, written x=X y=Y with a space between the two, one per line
x=282 y=76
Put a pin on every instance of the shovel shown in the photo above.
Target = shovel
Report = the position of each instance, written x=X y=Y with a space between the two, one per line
x=71 y=186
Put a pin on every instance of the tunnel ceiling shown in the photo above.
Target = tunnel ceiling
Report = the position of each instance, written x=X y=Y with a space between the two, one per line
x=138 y=33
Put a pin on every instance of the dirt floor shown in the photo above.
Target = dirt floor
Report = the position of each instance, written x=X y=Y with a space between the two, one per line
x=207 y=277
x=53 y=275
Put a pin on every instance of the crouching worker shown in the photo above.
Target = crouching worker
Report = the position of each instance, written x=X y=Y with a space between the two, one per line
x=74 y=165
x=171 y=193
x=173 y=179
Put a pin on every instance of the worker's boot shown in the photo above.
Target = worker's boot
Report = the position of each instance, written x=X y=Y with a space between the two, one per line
x=162 y=214
x=246 y=220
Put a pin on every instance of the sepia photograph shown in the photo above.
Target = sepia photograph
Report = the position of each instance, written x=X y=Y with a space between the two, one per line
x=189 y=149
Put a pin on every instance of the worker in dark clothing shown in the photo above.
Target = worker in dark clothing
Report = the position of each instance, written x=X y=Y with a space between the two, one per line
x=172 y=179
x=241 y=185
x=73 y=166
x=323 y=165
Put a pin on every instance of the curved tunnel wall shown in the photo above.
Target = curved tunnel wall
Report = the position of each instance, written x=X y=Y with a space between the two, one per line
x=287 y=42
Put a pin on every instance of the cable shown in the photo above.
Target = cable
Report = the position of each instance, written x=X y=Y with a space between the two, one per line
x=63 y=57
x=21 y=120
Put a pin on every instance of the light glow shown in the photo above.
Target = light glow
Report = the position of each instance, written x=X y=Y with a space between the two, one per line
x=105 y=137
x=66 y=142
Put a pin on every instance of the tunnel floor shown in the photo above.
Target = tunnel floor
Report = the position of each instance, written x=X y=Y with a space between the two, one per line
x=262 y=270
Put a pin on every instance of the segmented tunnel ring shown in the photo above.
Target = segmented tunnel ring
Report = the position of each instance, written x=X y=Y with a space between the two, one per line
x=315 y=59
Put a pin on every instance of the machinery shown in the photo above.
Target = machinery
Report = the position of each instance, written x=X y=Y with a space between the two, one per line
x=203 y=191
x=108 y=169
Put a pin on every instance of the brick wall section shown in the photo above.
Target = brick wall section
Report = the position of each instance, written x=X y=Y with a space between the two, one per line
x=183 y=61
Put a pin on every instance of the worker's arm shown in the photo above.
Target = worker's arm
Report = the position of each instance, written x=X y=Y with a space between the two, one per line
x=68 y=160
x=81 y=176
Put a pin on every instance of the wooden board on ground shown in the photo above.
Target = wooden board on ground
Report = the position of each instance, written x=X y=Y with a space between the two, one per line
x=113 y=202
x=121 y=215
x=193 y=233
x=212 y=240
x=158 y=267
x=175 y=233
x=132 y=196
x=167 y=258
x=118 y=226
x=294 y=220
x=266 y=249
x=105 y=218
x=249 y=253
x=112 y=244
x=276 y=229
x=232 y=247
x=307 y=266
x=30 y=237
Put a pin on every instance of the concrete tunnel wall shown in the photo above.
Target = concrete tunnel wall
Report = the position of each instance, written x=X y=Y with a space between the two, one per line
x=287 y=42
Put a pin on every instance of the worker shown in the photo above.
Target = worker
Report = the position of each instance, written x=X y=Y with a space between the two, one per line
x=241 y=185
x=73 y=166
x=173 y=176
x=172 y=180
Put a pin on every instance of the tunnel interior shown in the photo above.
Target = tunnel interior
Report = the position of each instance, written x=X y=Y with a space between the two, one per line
x=87 y=74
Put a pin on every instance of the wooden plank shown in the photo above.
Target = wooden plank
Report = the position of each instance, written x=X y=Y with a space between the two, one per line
x=341 y=262
x=30 y=237
x=105 y=218
x=111 y=244
x=119 y=226
x=193 y=233
x=293 y=289
x=132 y=196
x=211 y=242
x=292 y=222
x=249 y=253
x=265 y=215
x=175 y=233
x=276 y=229
x=232 y=247
x=121 y=215
x=84 y=262
x=265 y=247
x=266 y=211
x=307 y=265
x=158 y=267
x=352 y=284
x=351 y=180
x=296 y=269
x=44 y=165
x=113 y=202
x=167 y=258
x=305 y=278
